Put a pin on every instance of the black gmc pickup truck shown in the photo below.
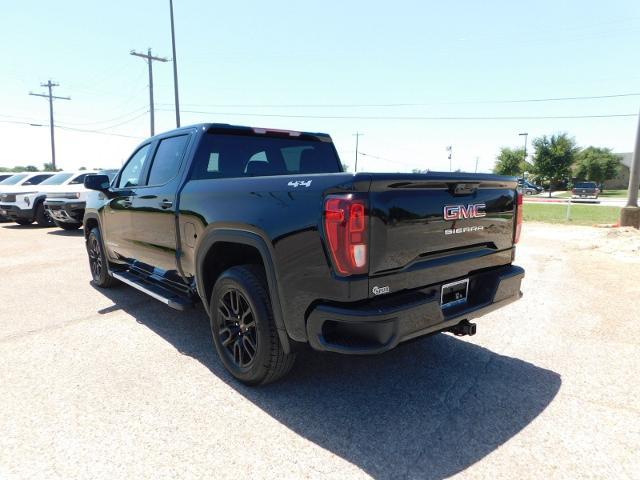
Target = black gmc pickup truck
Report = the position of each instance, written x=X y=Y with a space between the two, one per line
x=285 y=249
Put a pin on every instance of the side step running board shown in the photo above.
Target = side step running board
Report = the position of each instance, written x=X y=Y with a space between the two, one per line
x=158 y=292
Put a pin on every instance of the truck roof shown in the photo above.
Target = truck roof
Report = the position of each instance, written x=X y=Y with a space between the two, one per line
x=228 y=128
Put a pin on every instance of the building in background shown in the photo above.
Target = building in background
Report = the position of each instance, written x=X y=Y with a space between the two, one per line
x=621 y=181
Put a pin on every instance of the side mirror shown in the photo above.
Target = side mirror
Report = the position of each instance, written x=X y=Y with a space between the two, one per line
x=100 y=183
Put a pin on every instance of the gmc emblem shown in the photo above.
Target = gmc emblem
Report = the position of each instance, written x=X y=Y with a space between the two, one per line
x=458 y=212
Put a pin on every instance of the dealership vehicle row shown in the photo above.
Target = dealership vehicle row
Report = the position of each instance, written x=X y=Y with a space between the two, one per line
x=46 y=198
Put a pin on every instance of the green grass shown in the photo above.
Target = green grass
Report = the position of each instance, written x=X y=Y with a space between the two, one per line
x=580 y=214
x=605 y=194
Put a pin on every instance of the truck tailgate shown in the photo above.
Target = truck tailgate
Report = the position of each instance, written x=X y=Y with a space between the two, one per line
x=434 y=227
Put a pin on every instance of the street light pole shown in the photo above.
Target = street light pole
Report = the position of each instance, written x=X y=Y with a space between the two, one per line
x=175 y=66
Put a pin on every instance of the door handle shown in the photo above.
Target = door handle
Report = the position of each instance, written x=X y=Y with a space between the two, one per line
x=166 y=204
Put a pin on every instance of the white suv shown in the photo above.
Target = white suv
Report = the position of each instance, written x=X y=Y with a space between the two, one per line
x=18 y=183
x=65 y=205
x=26 y=205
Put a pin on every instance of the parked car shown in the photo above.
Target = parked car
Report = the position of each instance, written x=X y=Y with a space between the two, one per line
x=528 y=188
x=18 y=183
x=26 y=206
x=285 y=249
x=4 y=176
x=585 y=190
x=66 y=207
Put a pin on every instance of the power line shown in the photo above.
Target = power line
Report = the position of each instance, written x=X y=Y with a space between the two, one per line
x=416 y=104
x=360 y=117
x=384 y=159
x=123 y=122
x=99 y=132
x=136 y=112
x=16 y=122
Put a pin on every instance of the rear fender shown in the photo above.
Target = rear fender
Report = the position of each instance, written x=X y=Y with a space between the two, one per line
x=252 y=239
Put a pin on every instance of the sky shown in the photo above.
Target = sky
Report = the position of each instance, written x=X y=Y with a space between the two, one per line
x=412 y=76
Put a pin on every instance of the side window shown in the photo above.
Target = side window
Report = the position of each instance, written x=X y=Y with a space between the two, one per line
x=78 y=180
x=167 y=159
x=213 y=166
x=130 y=176
x=36 y=180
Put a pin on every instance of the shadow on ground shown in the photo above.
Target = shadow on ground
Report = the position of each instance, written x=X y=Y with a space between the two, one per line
x=428 y=409
x=66 y=233
x=15 y=226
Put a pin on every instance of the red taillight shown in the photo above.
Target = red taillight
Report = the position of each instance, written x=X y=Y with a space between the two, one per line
x=519 y=213
x=345 y=225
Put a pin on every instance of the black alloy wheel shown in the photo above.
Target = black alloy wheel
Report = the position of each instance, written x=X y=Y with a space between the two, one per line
x=95 y=257
x=243 y=328
x=98 y=262
x=237 y=328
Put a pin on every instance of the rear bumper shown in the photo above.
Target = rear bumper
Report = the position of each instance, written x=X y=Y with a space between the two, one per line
x=378 y=325
x=13 y=212
x=68 y=212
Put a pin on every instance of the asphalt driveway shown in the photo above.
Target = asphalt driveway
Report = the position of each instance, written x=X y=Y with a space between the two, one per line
x=113 y=384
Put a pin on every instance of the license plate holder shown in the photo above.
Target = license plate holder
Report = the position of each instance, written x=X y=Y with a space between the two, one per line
x=454 y=293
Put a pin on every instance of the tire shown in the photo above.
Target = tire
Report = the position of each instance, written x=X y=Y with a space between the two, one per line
x=98 y=261
x=23 y=221
x=67 y=225
x=42 y=217
x=243 y=329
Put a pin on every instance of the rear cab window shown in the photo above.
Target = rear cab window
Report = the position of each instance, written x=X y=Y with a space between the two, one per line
x=223 y=155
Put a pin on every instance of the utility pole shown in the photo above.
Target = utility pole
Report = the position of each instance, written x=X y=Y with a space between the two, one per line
x=630 y=215
x=51 y=98
x=526 y=136
x=175 y=66
x=357 y=135
x=450 y=150
x=150 y=59
x=477 y=158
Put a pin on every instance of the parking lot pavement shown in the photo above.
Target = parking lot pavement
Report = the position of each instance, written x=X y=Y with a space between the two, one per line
x=112 y=384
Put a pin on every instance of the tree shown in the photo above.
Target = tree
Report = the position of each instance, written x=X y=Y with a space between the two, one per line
x=28 y=168
x=554 y=157
x=597 y=164
x=82 y=168
x=511 y=162
x=48 y=167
